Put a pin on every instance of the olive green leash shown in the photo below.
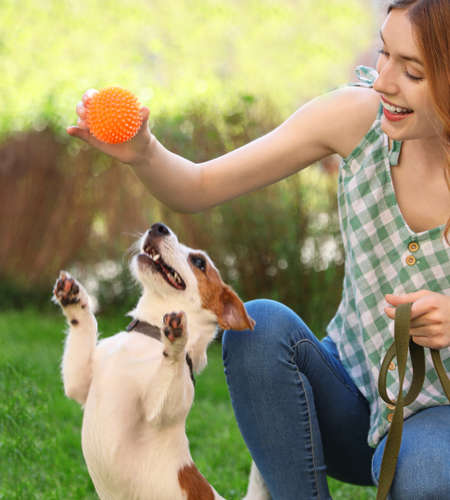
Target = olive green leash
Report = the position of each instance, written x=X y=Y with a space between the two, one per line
x=399 y=348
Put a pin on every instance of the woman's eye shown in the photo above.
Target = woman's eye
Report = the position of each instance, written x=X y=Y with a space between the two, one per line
x=414 y=78
x=199 y=262
x=383 y=52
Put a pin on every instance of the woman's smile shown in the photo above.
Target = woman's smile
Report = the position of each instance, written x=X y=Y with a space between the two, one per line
x=394 y=112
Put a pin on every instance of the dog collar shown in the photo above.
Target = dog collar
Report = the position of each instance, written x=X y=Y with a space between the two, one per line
x=155 y=333
x=145 y=328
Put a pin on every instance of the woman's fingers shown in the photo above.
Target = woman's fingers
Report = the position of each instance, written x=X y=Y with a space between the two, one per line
x=81 y=110
x=80 y=133
x=88 y=95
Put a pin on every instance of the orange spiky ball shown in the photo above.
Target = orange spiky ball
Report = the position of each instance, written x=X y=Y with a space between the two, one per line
x=113 y=115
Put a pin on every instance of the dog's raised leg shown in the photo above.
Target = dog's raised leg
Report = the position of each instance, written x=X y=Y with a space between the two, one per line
x=173 y=399
x=179 y=399
x=175 y=335
x=81 y=339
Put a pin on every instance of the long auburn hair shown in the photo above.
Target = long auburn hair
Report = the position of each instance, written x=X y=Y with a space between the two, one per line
x=431 y=22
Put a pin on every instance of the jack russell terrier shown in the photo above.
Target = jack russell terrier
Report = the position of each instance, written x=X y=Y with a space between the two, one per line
x=137 y=386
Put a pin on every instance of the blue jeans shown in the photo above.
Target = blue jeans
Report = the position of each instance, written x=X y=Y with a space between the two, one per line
x=302 y=417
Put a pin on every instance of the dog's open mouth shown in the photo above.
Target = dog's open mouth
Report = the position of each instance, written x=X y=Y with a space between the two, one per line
x=152 y=257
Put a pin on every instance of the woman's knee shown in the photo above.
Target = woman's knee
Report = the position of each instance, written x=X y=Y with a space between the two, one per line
x=423 y=477
x=423 y=464
x=272 y=320
x=276 y=329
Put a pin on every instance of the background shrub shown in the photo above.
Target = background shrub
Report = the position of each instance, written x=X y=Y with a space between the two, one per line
x=215 y=75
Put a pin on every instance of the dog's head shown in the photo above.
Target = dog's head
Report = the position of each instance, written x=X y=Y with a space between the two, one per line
x=179 y=274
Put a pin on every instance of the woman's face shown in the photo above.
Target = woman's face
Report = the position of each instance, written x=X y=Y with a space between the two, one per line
x=408 y=111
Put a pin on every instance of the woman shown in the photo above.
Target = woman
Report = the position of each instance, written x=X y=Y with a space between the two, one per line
x=307 y=408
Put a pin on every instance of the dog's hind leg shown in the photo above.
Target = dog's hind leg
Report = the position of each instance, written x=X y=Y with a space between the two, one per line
x=81 y=339
x=257 y=489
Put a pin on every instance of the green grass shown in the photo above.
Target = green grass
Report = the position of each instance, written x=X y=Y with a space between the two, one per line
x=40 y=451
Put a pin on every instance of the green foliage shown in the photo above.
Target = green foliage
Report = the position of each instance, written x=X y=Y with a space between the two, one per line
x=40 y=449
x=215 y=75
x=77 y=210
x=172 y=53
x=17 y=295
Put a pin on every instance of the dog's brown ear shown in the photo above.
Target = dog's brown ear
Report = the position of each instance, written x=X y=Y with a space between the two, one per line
x=233 y=315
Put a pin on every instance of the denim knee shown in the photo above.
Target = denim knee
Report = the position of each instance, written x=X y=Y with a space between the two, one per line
x=276 y=329
x=423 y=471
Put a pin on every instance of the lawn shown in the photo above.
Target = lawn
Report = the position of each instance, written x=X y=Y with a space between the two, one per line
x=40 y=453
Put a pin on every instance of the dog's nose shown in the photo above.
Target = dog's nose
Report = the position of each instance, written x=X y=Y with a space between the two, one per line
x=159 y=229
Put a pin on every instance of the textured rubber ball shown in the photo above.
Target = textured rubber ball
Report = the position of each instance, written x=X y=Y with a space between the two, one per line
x=113 y=115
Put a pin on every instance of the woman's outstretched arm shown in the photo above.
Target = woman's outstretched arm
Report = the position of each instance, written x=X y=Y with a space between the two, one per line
x=334 y=123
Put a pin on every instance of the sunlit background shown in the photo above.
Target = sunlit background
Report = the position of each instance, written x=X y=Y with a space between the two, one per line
x=215 y=75
x=172 y=53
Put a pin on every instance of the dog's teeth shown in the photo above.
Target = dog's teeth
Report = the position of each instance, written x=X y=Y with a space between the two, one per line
x=156 y=257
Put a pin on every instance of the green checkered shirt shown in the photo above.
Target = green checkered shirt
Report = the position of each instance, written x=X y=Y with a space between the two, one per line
x=383 y=255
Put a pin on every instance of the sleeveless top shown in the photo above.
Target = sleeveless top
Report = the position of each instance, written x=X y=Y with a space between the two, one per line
x=383 y=255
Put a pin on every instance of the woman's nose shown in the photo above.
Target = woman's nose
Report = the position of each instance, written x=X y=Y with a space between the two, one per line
x=386 y=81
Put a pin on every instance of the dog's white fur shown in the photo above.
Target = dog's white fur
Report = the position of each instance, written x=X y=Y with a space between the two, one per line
x=137 y=391
x=257 y=489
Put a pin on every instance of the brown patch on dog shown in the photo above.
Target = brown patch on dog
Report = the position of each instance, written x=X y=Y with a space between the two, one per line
x=221 y=299
x=194 y=484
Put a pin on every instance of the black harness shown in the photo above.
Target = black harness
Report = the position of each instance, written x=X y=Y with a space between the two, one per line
x=155 y=333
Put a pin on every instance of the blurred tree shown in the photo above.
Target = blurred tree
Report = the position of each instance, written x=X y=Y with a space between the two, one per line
x=216 y=75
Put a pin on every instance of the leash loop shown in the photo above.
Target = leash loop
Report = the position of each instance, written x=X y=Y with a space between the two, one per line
x=400 y=347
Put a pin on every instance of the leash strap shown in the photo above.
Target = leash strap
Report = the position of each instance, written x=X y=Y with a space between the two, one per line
x=403 y=343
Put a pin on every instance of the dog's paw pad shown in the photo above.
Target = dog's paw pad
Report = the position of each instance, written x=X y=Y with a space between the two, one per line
x=174 y=325
x=66 y=290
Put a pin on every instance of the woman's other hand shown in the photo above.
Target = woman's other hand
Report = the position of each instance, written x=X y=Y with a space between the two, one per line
x=430 y=317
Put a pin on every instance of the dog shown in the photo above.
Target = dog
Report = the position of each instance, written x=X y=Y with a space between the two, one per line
x=136 y=387
x=257 y=489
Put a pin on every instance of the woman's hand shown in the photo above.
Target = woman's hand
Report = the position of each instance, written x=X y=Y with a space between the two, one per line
x=134 y=152
x=430 y=317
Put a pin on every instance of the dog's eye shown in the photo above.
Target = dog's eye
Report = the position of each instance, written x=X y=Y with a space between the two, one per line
x=199 y=262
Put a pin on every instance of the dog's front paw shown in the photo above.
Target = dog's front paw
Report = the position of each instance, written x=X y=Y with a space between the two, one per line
x=175 y=332
x=174 y=325
x=67 y=291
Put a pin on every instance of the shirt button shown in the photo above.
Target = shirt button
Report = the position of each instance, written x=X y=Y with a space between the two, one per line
x=410 y=260
x=391 y=366
x=413 y=246
x=390 y=417
x=390 y=407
